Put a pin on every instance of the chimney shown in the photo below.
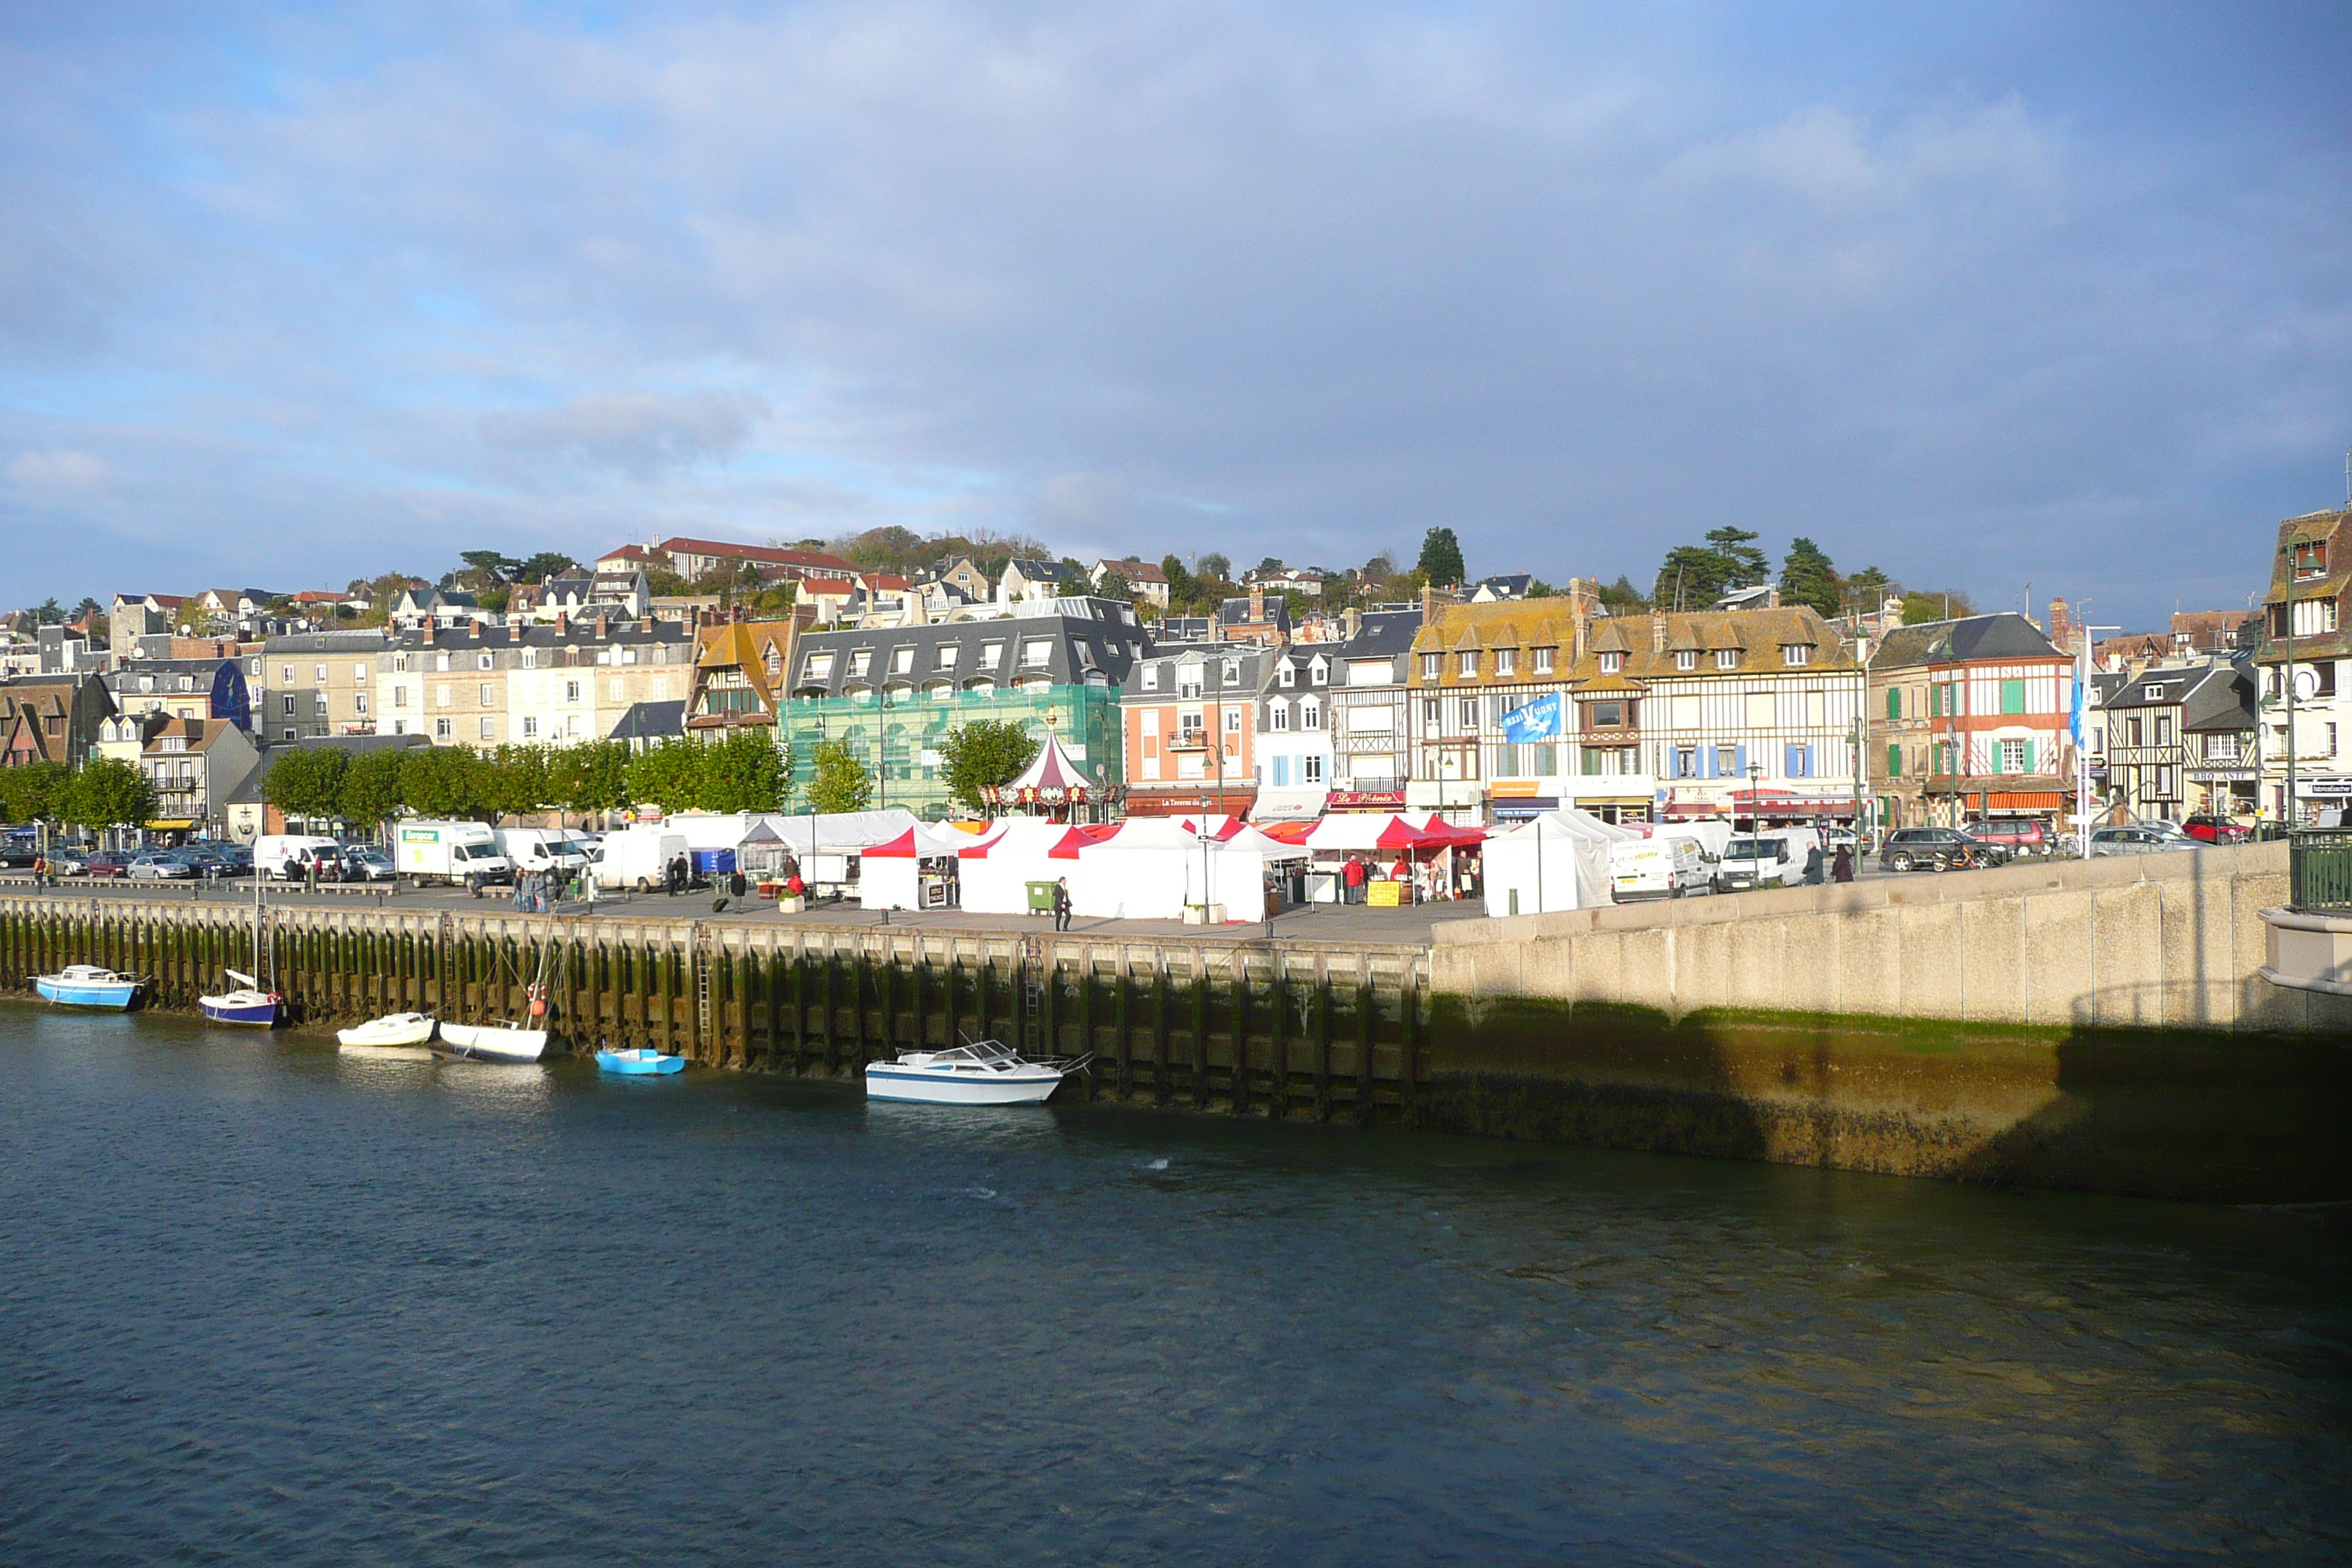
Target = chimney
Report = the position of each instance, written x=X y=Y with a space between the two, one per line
x=2062 y=624
x=1428 y=602
x=604 y=625
x=473 y=631
x=562 y=625
x=1258 y=604
x=1658 y=634
x=427 y=636
x=1583 y=607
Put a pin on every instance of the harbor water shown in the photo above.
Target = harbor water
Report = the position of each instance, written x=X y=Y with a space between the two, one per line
x=262 y=1304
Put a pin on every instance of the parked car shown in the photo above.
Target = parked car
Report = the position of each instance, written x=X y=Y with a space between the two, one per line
x=2015 y=834
x=1937 y=850
x=2218 y=830
x=2141 y=838
x=67 y=862
x=107 y=862
x=159 y=866
x=366 y=863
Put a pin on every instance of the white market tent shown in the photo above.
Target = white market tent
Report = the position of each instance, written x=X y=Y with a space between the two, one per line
x=1144 y=872
x=998 y=866
x=839 y=832
x=1238 y=868
x=1556 y=861
x=889 y=874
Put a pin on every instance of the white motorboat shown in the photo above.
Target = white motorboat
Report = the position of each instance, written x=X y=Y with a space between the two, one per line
x=402 y=1035
x=978 y=1072
x=493 y=1042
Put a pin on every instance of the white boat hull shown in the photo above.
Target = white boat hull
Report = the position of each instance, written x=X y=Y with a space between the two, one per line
x=393 y=1029
x=495 y=1043
x=1028 y=1085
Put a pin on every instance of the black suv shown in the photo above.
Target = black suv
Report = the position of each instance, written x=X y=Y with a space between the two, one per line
x=1937 y=850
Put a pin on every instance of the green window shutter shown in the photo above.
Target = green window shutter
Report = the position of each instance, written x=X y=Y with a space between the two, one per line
x=1894 y=762
x=2029 y=756
x=1895 y=702
x=2013 y=697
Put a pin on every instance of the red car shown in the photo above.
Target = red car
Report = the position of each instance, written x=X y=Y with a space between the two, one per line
x=108 y=864
x=2217 y=830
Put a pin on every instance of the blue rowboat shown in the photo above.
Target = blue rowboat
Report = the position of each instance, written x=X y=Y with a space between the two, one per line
x=639 y=1063
x=87 y=986
x=248 y=1005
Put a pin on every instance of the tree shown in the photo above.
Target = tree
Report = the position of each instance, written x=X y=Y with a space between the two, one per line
x=1918 y=608
x=546 y=564
x=32 y=792
x=1269 y=566
x=1691 y=577
x=983 y=754
x=513 y=779
x=442 y=780
x=485 y=569
x=590 y=777
x=108 y=792
x=1808 y=578
x=371 y=788
x=747 y=771
x=307 y=783
x=841 y=782
x=664 y=583
x=1737 y=546
x=1185 y=594
x=1621 y=598
x=1216 y=566
x=49 y=612
x=1440 y=558
x=1114 y=585
x=669 y=775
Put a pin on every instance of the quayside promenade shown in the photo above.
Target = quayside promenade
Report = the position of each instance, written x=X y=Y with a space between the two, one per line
x=2101 y=1026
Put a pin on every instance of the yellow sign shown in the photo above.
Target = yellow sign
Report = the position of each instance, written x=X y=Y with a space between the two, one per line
x=1384 y=895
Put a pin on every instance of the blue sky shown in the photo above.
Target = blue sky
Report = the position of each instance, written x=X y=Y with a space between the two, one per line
x=1990 y=296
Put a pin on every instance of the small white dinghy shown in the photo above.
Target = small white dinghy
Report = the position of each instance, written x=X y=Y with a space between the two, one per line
x=978 y=1072
x=493 y=1042
x=403 y=1037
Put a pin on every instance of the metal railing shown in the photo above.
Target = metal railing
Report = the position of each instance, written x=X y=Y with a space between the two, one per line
x=2319 y=870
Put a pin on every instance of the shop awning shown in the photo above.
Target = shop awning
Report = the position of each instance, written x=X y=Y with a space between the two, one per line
x=2024 y=800
x=172 y=825
x=1288 y=804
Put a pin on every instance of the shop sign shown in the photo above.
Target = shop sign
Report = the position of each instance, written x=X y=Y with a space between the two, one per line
x=1365 y=800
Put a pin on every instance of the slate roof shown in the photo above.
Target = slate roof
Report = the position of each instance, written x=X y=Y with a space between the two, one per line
x=1080 y=645
x=650 y=721
x=2007 y=635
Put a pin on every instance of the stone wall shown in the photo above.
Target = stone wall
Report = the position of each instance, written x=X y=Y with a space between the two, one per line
x=2169 y=941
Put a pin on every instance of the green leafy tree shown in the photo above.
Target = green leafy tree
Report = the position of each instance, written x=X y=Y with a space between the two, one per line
x=513 y=780
x=590 y=777
x=841 y=782
x=443 y=782
x=1867 y=588
x=1440 y=558
x=664 y=583
x=371 y=789
x=545 y=565
x=33 y=792
x=108 y=792
x=1919 y=608
x=1807 y=577
x=307 y=783
x=744 y=772
x=981 y=755
x=1622 y=598
x=667 y=774
x=1216 y=567
x=1696 y=576
x=1185 y=595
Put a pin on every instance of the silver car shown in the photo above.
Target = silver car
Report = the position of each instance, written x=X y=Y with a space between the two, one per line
x=157 y=867
x=2141 y=839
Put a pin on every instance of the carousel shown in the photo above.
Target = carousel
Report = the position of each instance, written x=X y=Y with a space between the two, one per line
x=1052 y=786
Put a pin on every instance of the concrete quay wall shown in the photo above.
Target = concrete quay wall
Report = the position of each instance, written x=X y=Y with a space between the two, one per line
x=2098 y=1025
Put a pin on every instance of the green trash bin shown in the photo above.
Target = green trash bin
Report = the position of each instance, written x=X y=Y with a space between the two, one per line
x=1041 y=897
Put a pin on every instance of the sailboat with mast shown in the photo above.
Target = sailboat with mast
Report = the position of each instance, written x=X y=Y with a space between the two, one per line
x=507 y=1040
x=250 y=1003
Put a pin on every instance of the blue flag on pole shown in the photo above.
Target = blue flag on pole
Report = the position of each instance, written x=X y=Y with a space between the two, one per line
x=1537 y=720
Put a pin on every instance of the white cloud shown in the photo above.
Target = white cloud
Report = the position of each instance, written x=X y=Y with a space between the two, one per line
x=641 y=434
x=60 y=473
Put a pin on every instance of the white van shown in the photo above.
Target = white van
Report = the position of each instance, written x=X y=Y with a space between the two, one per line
x=464 y=852
x=639 y=856
x=1659 y=868
x=541 y=848
x=288 y=856
x=1774 y=859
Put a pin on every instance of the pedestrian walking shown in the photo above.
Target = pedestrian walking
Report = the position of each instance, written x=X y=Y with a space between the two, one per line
x=1813 y=867
x=1062 y=904
x=1841 y=868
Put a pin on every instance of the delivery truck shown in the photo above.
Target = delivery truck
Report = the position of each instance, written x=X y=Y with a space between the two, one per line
x=463 y=853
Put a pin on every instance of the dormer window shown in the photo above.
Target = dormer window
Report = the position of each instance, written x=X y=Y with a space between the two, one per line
x=1320 y=672
x=1466 y=663
x=1506 y=661
x=860 y=661
x=1432 y=665
x=1231 y=672
x=1152 y=678
x=1727 y=658
x=1286 y=675
x=1611 y=663
x=1796 y=655
x=1686 y=658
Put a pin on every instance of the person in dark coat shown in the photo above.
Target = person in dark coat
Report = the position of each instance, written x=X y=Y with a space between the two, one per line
x=737 y=883
x=1841 y=868
x=1062 y=904
x=1813 y=867
x=676 y=880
